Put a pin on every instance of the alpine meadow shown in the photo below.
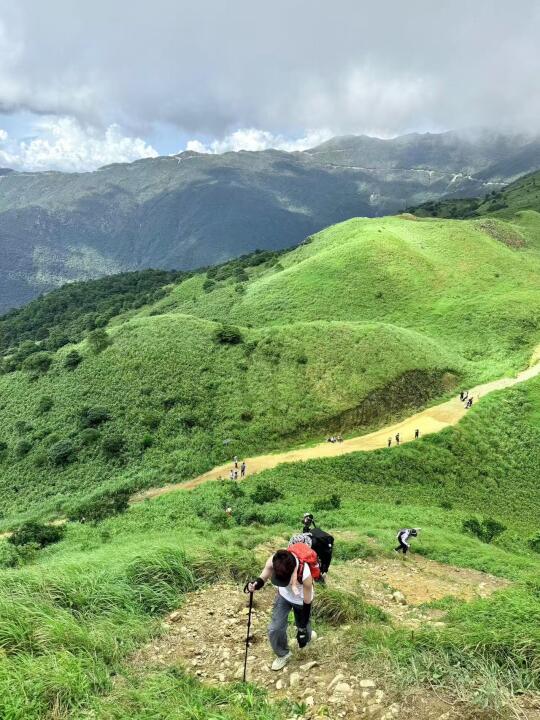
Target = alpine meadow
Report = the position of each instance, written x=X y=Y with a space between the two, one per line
x=269 y=360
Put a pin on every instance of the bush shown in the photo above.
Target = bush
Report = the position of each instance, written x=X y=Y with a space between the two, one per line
x=62 y=452
x=113 y=445
x=151 y=420
x=225 y=564
x=45 y=404
x=93 y=417
x=352 y=550
x=89 y=436
x=37 y=362
x=159 y=579
x=3 y=446
x=100 y=506
x=37 y=533
x=98 y=340
x=265 y=493
x=338 y=607
x=227 y=335
x=72 y=360
x=534 y=542
x=332 y=502
x=486 y=530
x=23 y=448
x=208 y=285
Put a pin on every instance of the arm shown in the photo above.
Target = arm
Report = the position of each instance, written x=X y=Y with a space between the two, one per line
x=264 y=576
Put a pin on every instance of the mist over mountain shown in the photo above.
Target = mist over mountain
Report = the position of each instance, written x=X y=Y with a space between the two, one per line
x=194 y=209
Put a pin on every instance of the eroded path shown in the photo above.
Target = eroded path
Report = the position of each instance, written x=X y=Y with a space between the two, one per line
x=428 y=421
x=207 y=634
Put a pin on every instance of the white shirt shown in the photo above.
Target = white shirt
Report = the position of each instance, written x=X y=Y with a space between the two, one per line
x=288 y=592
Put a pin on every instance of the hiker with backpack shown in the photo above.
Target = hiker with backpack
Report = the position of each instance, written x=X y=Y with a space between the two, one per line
x=293 y=572
x=402 y=537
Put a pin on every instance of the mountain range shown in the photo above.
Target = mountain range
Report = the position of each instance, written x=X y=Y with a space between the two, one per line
x=193 y=210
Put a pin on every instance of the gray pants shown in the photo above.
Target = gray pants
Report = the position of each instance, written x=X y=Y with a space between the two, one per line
x=277 y=632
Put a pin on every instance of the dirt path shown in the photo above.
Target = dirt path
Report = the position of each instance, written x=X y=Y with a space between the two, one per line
x=207 y=634
x=428 y=421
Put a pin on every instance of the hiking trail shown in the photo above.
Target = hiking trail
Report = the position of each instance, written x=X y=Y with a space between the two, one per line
x=428 y=421
x=206 y=636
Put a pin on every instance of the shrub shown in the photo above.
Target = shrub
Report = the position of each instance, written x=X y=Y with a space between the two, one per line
x=151 y=420
x=89 y=436
x=159 y=579
x=72 y=360
x=113 y=445
x=224 y=564
x=147 y=442
x=246 y=416
x=3 y=446
x=338 y=607
x=98 y=340
x=352 y=550
x=446 y=505
x=486 y=530
x=62 y=452
x=37 y=533
x=332 y=502
x=208 y=285
x=265 y=493
x=227 y=335
x=45 y=404
x=93 y=417
x=22 y=427
x=23 y=448
x=37 y=362
x=100 y=506
x=534 y=542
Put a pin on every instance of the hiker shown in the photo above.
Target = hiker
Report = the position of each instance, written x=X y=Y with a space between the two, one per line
x=416 y=434
x=465 y=395
x=402 y=538
x=228 y=512
x=389 y=442
x=243 y=469
x=307 y=522
x=339 y=439
x=292 y=571
x=397 y=438
x=461 y=395
x=469 y=403
x=235 y=461
x=236 y=474
x=231 y=474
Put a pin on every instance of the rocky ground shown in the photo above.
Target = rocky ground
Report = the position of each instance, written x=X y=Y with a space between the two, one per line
x=207 y=636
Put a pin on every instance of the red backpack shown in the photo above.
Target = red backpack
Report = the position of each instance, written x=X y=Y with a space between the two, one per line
x=304 y=554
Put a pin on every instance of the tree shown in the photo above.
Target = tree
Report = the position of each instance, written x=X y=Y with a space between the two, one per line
x=227 y=335
x=98 y=340
x=45 y=404
x=36 y=533
x=72 y=360
x=62 y=453
x=37 y=362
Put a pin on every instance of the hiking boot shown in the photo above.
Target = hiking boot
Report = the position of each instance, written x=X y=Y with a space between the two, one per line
x=280 y=662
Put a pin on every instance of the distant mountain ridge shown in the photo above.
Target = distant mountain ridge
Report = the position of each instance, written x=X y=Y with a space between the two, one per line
x=193 y=210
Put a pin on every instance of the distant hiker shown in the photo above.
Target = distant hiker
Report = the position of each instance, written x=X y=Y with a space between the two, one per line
x=292 y=571
x=389 y=442
x=469 y=403
x=243 y=469
x=339 y=439
x=307 y=522
x=402 y=537
x=235 y=461
x=228 y=512
x=461 y=395
x=236 y=474
x=231 y=475
x=397 y=438
x=416 y=434
x=465 y=395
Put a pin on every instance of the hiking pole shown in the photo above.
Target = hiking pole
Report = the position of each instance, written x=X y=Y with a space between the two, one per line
x=247 y=636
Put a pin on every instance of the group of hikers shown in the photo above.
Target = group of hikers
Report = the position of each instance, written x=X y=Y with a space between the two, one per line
x=397 y=437
x=233 y=475
x=464 y=397
x=335 y=439
x=294 y=572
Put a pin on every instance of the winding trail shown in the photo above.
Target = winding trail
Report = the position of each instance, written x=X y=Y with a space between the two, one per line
x=428 y=421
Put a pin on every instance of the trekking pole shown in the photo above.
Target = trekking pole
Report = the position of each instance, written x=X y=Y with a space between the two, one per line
x=247 y=636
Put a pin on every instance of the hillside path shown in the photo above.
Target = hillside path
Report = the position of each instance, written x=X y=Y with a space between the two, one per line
x=427 y=421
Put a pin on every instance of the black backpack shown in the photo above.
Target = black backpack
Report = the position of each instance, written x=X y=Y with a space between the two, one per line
x=323 y=544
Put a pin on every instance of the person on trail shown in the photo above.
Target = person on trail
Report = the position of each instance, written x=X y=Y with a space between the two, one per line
x=416 y=434
x=389 y=442
x=402 y=537
x=465 y=395
x=307 y=522
x=236 y=474
x=469 y=403
x=243 y=469
x=294 y=581
x=231 y=474
x=461 y=395
x=397 y=438
x=235 y=461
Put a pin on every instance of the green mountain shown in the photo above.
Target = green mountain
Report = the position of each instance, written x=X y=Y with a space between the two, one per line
x=194 y=210
x=147 y=378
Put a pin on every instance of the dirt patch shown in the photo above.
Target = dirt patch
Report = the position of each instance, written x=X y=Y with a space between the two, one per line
x=502 y=232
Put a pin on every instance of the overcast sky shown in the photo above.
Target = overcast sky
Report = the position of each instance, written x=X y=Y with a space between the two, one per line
x=83 y=83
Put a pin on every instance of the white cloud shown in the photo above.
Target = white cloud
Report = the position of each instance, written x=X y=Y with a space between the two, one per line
x=64 y=144
x=254 y=139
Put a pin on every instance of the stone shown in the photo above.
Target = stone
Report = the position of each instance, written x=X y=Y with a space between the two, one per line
x=342 y=688
x=310 y=701
x=309 y=691
x=175 y=616
x=306 y=667
x=294 y=679
x=280 y=685
x=367 y=683
x=399 y=597
x=379 y=694
x=339 y=677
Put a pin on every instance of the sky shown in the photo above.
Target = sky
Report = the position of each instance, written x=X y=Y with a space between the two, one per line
x=84 y=84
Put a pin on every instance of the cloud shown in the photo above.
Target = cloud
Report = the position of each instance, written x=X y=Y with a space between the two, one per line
x=64 y=144
x=212 y=69
x=253 y=139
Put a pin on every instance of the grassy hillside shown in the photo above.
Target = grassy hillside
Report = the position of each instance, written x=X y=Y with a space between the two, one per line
x=368 y=321
x=73 y=613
